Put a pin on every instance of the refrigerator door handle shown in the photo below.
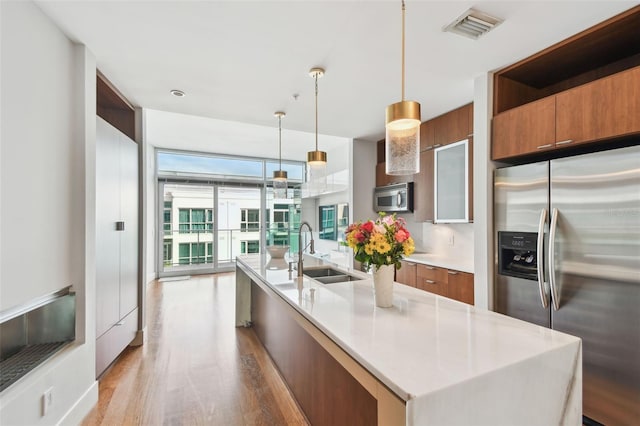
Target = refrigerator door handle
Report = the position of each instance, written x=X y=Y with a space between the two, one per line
x=544 y=297
x=552 y=257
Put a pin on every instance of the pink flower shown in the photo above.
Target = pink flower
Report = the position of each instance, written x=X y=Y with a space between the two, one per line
x=401 y=235
x=380 y=229
x=388 y=220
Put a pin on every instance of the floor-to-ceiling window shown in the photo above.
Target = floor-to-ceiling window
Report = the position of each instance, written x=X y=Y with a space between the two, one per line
x=213 y=208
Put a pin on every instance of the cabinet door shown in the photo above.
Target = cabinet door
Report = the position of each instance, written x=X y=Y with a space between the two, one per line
x=107 y=238
x=453 y=126
x=524 y=130
x=427 y=135
x=128 y=215
x=451 y=170
x=431 y=279
x=382 y=179
x=407 y=273
x=460 y=286
x=603 y=109
x=423 y=189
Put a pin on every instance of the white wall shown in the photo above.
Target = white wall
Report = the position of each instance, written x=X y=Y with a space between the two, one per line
x=48 y=206
x=483 y=191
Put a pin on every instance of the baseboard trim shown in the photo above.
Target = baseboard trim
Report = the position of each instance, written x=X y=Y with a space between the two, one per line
x=139 y=339
x=82 y=407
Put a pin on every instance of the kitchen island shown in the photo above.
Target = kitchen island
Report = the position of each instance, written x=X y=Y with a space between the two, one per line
x=428 y=360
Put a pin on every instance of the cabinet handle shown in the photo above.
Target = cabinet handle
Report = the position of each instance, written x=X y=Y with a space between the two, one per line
x=120 y=226
x=429 y=281
x=549 y=145
x=119 y=323
x=437 y=145
x=452 y=272
x=429 y=267
x=564 y=142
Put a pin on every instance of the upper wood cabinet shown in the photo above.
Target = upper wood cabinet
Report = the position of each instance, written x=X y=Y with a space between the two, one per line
x=427 y=135
x=585 y=89
x=603 y=109
x=526 y=129
x=453 y=126
x=423 y=183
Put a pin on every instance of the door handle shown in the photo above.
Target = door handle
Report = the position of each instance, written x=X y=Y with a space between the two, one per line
x=544 y=297
x=398 y=199
x=552 y=255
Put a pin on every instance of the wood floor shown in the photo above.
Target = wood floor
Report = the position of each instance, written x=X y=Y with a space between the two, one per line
x=196 y=367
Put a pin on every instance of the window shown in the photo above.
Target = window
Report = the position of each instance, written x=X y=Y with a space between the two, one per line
x=167 y=252
x=250 y=220
x=194 y=253
x=247 y=247
x=195 y=220
x=167 y=218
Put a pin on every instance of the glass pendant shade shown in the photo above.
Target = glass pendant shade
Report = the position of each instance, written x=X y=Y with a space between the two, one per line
x=317 y=176
x=279 y=184
x=402 y=147
x=279 y=176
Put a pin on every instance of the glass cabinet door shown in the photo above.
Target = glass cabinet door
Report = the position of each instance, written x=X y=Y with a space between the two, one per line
x=451 y=168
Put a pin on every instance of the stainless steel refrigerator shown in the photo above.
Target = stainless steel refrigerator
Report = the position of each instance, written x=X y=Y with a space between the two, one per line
x=568 y=257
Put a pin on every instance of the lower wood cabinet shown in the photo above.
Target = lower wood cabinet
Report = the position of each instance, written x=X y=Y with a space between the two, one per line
x=460 y=286
x=432 y=279
x=407 y=273
x=450 y=283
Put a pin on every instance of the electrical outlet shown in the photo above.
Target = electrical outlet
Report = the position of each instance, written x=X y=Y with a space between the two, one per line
x=451 y=241
x=47 y=401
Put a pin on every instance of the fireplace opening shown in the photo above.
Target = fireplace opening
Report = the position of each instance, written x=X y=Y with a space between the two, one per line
x=31 y=333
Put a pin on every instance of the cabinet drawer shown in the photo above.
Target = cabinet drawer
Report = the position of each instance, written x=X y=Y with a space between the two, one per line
x=433 y=273
x=435 y=287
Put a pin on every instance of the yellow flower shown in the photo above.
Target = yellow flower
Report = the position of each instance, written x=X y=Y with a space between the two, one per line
x=369 y=248
x=408 y=246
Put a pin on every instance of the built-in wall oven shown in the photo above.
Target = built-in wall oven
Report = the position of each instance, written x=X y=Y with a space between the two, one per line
x=393 y=198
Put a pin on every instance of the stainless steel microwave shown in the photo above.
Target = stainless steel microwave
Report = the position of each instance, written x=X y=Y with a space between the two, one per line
x=393 y=198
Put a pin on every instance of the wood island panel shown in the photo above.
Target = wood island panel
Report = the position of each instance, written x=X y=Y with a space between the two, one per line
x=325 y=390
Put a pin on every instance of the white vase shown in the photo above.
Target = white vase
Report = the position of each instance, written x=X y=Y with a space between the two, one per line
x=383 y=285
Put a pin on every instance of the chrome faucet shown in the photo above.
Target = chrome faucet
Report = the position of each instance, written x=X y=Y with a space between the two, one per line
x=301 y=249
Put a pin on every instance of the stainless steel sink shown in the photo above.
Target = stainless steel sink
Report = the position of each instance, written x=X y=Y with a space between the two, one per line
x=328 y=275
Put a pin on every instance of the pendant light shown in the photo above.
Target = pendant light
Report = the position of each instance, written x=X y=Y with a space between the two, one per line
x=317 y=160
x=279 y=176
x=402 y=148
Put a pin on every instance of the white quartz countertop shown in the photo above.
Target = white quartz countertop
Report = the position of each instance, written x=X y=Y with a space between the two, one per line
x=463 y=263
x=422 y=345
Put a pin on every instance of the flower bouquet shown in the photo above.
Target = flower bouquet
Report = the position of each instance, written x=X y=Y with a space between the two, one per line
x=384 y=241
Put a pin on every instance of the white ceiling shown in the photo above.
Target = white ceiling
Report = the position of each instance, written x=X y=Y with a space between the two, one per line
x=243 y=60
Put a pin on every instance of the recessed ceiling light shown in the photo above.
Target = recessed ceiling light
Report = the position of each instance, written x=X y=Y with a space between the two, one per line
x=177 y=93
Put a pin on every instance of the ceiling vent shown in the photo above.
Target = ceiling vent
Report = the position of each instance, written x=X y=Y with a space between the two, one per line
x=473 y=24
